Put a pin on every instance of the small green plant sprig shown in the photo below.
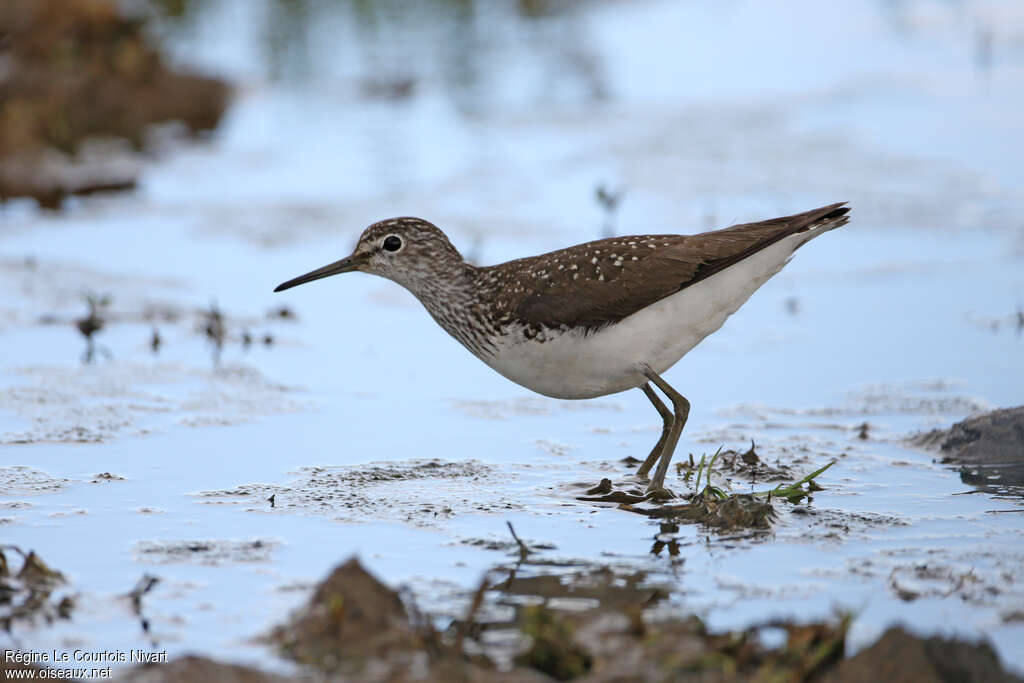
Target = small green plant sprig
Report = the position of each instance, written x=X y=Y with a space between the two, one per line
x=709 y=490
x=794 y=492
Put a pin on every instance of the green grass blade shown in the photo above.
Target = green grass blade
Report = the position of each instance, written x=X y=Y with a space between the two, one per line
x=794 y=489
x=700 y=468
x=711 y=464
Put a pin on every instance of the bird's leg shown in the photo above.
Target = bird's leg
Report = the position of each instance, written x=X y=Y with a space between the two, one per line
x=682 y=411
x=666 y=416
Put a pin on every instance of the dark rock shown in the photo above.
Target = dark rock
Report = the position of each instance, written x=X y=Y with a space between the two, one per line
x=990 y=446
x=989 y=438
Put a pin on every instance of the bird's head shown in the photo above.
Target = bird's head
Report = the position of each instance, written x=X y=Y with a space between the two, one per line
x=410 y=251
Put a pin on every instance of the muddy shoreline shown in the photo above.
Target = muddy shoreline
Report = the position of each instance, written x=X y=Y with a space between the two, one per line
x=595 y=624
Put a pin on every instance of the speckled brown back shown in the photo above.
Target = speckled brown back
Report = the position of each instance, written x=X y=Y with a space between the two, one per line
x=598 y=283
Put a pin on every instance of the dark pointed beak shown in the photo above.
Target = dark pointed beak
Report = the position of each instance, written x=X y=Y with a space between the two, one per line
x=345 y=265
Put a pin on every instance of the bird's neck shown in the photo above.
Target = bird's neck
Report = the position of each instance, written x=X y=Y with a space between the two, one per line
x=449 y=284
x=452 y=296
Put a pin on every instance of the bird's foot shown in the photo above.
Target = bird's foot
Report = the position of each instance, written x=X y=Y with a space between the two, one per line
x=659 y=493
x=605 y=492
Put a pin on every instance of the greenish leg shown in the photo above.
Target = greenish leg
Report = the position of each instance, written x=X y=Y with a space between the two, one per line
x=682 y=411
x=666 y=416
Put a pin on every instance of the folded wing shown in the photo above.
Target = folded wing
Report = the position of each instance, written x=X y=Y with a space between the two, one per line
x=602 y=282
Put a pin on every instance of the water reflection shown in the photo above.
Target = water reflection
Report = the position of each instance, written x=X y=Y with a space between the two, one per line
x=482 y=55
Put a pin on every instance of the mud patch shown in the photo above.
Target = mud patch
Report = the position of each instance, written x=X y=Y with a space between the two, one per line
x=502 y=545
x=419 y=492
x=981 y=578
x=913 y=398
x=984 y=578
x=937 y=397
x=105 y=477
x=552 y=448
x=749 y=466
x=97 y=404
x=22 y=480
x=824 y=524
x=208 y=552
x=921 y=581
x=738 y=511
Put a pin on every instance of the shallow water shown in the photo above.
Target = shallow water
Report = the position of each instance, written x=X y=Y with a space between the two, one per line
x=905 y=319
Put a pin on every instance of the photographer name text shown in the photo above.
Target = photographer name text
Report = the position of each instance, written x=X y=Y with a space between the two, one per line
x=85 y=656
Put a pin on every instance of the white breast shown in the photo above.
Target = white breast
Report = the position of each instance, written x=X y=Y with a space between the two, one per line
x=573 y=365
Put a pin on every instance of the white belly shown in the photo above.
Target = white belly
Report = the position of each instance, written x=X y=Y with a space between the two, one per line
x=573 y=365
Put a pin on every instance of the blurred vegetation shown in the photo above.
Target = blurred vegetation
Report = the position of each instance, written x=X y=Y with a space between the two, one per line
x=79 y=69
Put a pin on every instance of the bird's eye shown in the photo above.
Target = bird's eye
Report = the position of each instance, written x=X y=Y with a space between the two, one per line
x=392 y=243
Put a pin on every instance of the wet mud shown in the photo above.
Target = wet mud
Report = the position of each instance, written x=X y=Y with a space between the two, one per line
x=209 y=552
x=418 y=492
x=748 y=466
x=983 y=578
x=736 y=511
x=937 y=397
x=60 y=404
x=824 y=524
x=21 y=480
